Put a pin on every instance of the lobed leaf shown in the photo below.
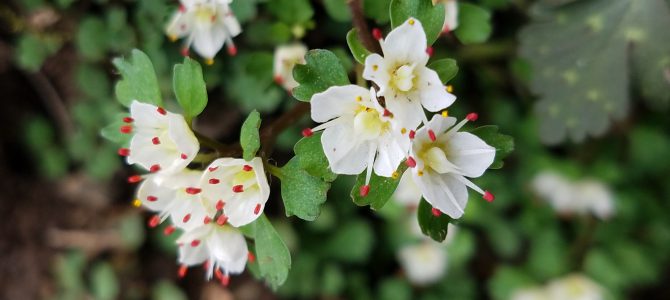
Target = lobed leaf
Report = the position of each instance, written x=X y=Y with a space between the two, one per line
x=431 y=17
x=435 y=227
x=312 y=159
x=302 y=193
x=189 y=87
x=272 y=255
x=138 y=80
x=322 y=70
x=381 y=189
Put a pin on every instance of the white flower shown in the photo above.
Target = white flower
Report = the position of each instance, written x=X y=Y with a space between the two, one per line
x=450 y=14
x=574 y=197
x=574 y=287
x=407 y=193
x=207 y=25
x=597 y=196
x=174 y=196
x=357 y=133
x=161 y=142
x=236 y=187
x=442 y=158
x=222 y=248
x=403 y=78
x=534 y=293
x=424 y=263
x=286 y=57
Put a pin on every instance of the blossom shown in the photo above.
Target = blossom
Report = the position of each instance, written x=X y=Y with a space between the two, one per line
x=574 y=197
x=237 y=188
x=450 y=14
x=207 y=25
x=575 y=287
x=534 y=293
x=424 y=263
x=286 y=57
x=404 y=81
x=222 y=248
x=161 y=141
x=407 y=193
x=357 y=132
x=442 y=158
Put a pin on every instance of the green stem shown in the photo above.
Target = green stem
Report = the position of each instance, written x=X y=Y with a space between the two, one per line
x=275 y=171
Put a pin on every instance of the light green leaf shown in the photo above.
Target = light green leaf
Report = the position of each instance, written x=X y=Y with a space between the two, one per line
x=377 y=9
x=323 y=70
x=312 y=159
x=189 y=87
x=166 y=290
x=357 y=49
x=274 y=259
x=431 y=17
x=433 y=226
x=91 y=38
x=138 y=80
x=504 y=144
x=32 y=50
x=338 y=10
x=302 y=193
x=104 y=283
x=352 y=242
x=381 y=188
x=474 y=24
x=249 y=138
x=251 y=85
x=446 y=68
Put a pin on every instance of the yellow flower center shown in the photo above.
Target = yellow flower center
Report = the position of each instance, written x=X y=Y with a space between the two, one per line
x=368 y=124
x=403 y=78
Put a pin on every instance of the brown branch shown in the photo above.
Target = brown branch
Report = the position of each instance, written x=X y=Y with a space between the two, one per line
x=269 y=133
x=361 y=26
x=55 y=105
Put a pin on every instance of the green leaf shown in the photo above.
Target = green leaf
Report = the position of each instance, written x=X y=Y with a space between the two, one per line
x=244 y=10
x=377 y=9
x=249 y=138
x=312 y=159
x=138 y=81
x=504 y=144
x=302 y=193
x=251 y=85
x=189 y=87
x=274 y=259
x=433 y=226
x=381 y=188
x=32 y=50
x=166 y=290
x=431 y=17
x=322 y=70
x=352 y=242
x=474 y=24
x=338 y=10
x=291 y=11
x=446 y=68
x=104 y=283
x=112 y=131
x=91 y=38
x=588 y=55
x=357 y=49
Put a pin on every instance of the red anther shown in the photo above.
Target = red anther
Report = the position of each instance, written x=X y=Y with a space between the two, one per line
x=128 y=120
x=134 y=179
x=205 y=265
x=410 y=162
x=161 y=111
x=220 y=204
x=387 y=113
x=247 y=168
x=183 y=156
x=184 y=51
x=124 y=151
x=218 y=274
x=411 y=134
x=182 y=271
x=446 y=30
x=377 y=33
x=193 y=191
x=155 y=140
x=364 y=190
x=278 y=79
x=225 y=280
x=154 y=221
x=126 y=129
x=206 y=220
x=155 y=168
x=238 y=188
x=436 y=212
x=213 y=181
x=152 y=198
x=232 y=50
x=251 y=257
x=221 y=220
x=307 y=132
x=257 y=209
x=182 y=8
x=195 y=243
x=429 y=51
x=431 y=135
x=472 y=117
x=186 y=218
x=488 y=196
x=212 y=169
x=168 y=230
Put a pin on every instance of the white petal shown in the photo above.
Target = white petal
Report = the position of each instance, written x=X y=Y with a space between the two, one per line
x=147 y=116
x=450 y=16
x=154 y=195
x=188 y=211
x=438 y=124
x=408 y=113
x=337 y=101
x=180 y=25
x=184 y=140
x=406 y=44
x=444 y=192
x=424 y=263
x=470 y=153
x=345 y=153
x=407 y=193
x=209 y=40
x=230 y=22
x=433 y=94
x=189 y=255
x=229 y=249
x=390 y=153
x=376 y=70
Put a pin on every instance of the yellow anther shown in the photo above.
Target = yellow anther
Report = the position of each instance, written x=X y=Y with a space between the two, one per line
x=411 y=21
x=359 y=98
x=395 y=175
x=209 y=61
x=172 y=37
x=137 y=202
x=403 y=130
x=420 y=173
x=445 y=114
x=450 y=88
x=375 y=67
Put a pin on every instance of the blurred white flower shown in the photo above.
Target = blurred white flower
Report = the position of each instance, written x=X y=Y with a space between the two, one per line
x=578 y=197
x=534 y=293
x=450 y=14
x=207 y=26
x=407 y=193
x=162 y=141
x=598 y=197
x=286 y=57
x=424 y=263
x=357 y=132
x=574 y=287
x=442 y=158
x=404 y=81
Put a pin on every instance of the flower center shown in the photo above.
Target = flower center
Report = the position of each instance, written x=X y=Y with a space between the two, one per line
x=368 y=124
x=403 y=78
x=246 y=179
x=205 y=15
x=435 y=158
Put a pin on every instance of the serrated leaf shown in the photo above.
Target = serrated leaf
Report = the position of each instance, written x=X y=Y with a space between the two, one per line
x=302 y=193
x=446 y=68
x=504 y=144
x=474 y=24
x=189 y=87
x=138 y=80
x=321 y=71
x=358 y=51
x=249 y=137
x=584 y=56
x=274 y=259
x=312 y=159
x=433 y=226
x=431 y=17
x=381 y=188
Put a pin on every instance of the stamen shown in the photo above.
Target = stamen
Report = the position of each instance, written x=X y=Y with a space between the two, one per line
x=184 y=156
x=247 y=168
x=278 y=79
x=225 y=280
x=186 y=218
x=124 y=151
x=395 y=175
x=126 y=129
x=257 y=209
x=128 y=120
x=359 y=98
x=251 y=257
x=411 y=21
x=134 y=179
x=488 y=196
x=209 y=61
x=375 y=67
x=232 y=50
x=450 y=88
x=152 y=198
x=185 y=52
x=218 y=274
x=445 y=114
x=472 y=117
x=403 y=130
x=214 y=181
x=193 y=190
x=182 y=8
x=238 y=188
x=212 y=169
x=431 y=135
x=220 y=204
x=412 y=133
x=155 y=140
x=436 y=212
x=137 y=202
x=221 y=220
x=195 y=243
x=429 y=51
x=307 y=132
x=206 y=220
x=168 y=230
x=154 y=221
x=155 y=168
x=182 y=271
x=377 y=34
x=387 y=113
x=205 y=265
x=364 y=190
x=410 y=162
x=161 y=111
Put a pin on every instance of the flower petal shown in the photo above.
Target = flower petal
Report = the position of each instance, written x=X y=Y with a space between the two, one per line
x=180 y=25
x=407 y=193
x=209 y=40
x=376 y=70
x=390 y=152
x=229 y=249
x=443 y=191
x=345 y=153
x=406 y=44
x=337 y=101
x=191 y=256
x=146 y=116
x=407 y=112
x=470 y=153
x=433 y=94
x=187 y=145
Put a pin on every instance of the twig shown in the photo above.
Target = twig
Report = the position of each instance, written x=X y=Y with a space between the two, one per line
x=52 y=101
x=364 y=33
x=269 y=133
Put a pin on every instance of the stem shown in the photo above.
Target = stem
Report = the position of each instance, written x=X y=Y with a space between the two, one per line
x=275 y=171
x=221 y=149
x=364 y=33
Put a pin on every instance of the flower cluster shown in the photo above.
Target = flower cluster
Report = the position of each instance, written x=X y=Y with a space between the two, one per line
x=574 y=286
x=206 y=205
x=579 y=197
x=207 y=25
x=376 y=129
